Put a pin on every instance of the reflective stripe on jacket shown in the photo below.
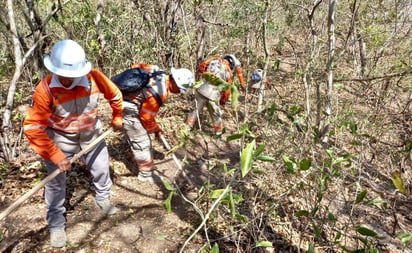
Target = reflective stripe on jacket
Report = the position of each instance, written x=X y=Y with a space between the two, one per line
x=69 y=112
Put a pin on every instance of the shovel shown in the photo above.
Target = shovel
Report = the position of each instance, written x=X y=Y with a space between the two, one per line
x=28 y=194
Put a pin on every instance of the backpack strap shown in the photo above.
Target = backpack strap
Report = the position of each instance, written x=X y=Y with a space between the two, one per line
x=155 y=94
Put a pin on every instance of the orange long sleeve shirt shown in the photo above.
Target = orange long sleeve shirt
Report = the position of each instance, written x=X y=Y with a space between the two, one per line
x=71 y=111
x=150 y=107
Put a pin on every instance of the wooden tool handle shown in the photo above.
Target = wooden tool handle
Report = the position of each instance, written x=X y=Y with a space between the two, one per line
x=28 y=194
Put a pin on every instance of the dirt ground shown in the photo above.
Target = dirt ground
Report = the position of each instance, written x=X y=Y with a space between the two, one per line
x=143 y=223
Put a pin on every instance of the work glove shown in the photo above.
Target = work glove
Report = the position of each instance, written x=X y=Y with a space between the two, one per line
x=117 y=123
x=64 y=165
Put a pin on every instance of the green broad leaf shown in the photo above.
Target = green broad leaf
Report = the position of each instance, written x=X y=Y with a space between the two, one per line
x=161 y=237
x=353 y=127
x=301 y=213
x=337 y=238
x=276 y=64
x=216 y=193
x=197 y=84
x=339 y=160
x=311 y=248
x=234 y=137
x=404 y=237
x=373 y=250
x=260 y=149
x=336 y=172
x=246 y=158
x=398 y=182
x=271 y=111
x=237 y=198
x=263 y=244
x=338 y=85
x=361 y=196
x=329 y=153
x=265 y=158
x=222 y=87
x=376 y=201
x=235 y=97
x=168 y=202
x=215 y=248
x=231 y=171
x=366 y=231
x=317 y=230
x=241 y=218
x=362 y=250
x=258 y=172
x=305 y=164
x=290 y=164
x=232 y=204
x=331 y=217
x=168 y=186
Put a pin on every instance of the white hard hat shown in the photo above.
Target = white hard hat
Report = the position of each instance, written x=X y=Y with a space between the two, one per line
x=184 y=78
x=67 y=58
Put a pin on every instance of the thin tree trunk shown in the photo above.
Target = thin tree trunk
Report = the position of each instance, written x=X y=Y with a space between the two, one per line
x=200 y=34
x=308 y=75
x=12 y=89
x=19 y=62
x=362 y=55
x=267 y=53
x=100 y=34
x=329 y=66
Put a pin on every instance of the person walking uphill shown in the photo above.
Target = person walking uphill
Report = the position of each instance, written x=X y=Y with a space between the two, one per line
x=63 y=120
x=208 y=93
x=236 y=69
x=141 y=107
x=232 y=65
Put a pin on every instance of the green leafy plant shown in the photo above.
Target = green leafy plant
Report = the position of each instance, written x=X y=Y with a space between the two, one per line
x=293 y=166
x=172 y=191
x=398 y=182
x=405 y=238
x=367 y=233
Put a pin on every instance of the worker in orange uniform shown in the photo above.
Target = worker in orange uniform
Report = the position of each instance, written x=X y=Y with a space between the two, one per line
x=236 y=68
x=140 y=110
x=224 y=67
x=233 y=65
x=63 y=119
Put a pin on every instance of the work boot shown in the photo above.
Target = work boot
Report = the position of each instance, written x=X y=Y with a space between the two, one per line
x=58 y=238
x=107 y=207
x=149 y=177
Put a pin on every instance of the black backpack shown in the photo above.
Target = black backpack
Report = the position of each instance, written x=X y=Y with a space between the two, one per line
x=135 y=79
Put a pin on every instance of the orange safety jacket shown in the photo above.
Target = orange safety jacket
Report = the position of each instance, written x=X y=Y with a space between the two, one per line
x=71 y=112
x=202 y=68
x=150 y=107
x=225 y=95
